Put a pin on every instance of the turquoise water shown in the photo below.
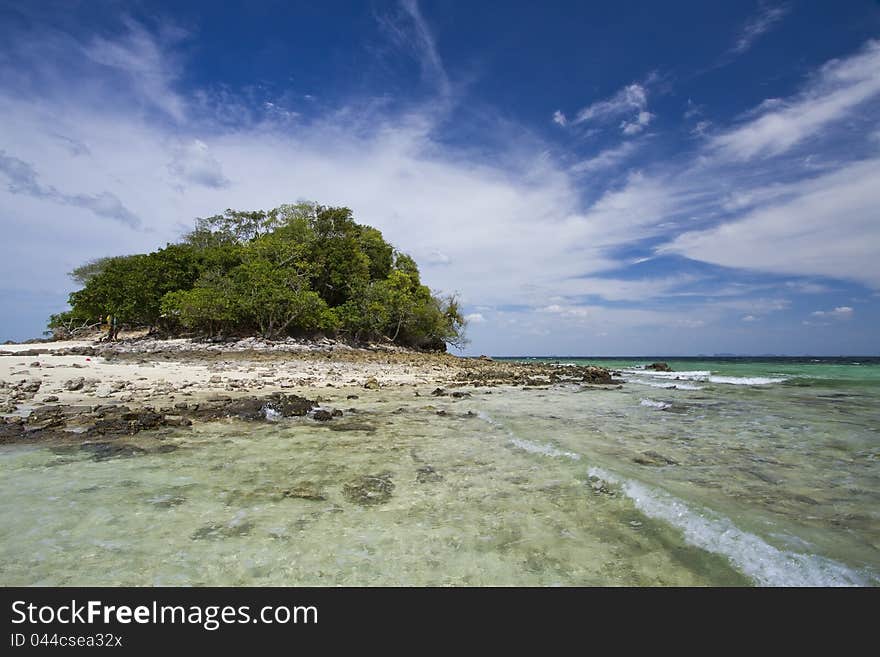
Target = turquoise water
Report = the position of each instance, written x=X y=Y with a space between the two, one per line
x=725 y=472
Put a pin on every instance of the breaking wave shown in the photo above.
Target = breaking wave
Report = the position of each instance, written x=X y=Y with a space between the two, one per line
x=755 y=558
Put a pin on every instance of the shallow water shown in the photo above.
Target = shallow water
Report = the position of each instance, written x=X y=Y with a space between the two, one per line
x=772 y=484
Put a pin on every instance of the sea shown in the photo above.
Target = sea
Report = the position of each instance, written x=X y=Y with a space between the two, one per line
x=723 y=472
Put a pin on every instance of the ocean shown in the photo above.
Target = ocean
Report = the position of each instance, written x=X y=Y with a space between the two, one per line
x=726 y=471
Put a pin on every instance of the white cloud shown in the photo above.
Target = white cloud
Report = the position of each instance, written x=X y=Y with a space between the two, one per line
x=475 y=318
x=607 y=159
x=758 y=25
x=827 y=226
x=631 y=101
x=410 y=31
x=750 y=318
x=193 y=162
x=701 y=128
x=841 y=312
x=559 y=118
x=637 y=124
x=143 y=61
x=23 y=179
x=839 y=88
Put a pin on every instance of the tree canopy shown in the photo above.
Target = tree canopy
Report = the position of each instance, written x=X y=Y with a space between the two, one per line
x=300 y=269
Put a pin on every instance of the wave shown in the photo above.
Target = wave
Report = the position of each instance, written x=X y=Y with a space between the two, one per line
x=757 y=559
x=704 y=376
x=650 y=403
x=543 y=448
x=528 y=445
x=666 y=386
x=693 y=375
x=746 y=380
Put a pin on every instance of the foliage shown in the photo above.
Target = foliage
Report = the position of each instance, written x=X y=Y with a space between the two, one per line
x=297 y=269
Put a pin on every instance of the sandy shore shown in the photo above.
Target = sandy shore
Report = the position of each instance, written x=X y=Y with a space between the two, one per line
x=76 y=388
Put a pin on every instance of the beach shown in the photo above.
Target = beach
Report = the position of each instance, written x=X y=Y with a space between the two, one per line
x=175 y=462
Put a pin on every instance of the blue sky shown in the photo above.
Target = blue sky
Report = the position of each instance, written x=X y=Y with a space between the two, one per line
x=592 y=178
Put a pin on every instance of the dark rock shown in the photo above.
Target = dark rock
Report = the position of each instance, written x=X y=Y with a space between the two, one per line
x=428 y=475
x=352 y=426
x=102 y=451
x=439 y=392
x=322 y=415
x=74 y=384
x=460 y=395
x=659 y=367
x=653 y=458
x=306 y=490
x=369 y=490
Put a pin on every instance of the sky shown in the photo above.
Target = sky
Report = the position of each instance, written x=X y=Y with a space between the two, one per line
x=629 y=178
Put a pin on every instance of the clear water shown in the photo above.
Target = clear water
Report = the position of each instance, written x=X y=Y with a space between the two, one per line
x=758 y=472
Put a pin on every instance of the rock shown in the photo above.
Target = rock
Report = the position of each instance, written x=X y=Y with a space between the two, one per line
x=30 y=386
x=485 y=358
x=352 y=397
x=306 y=490
x=459 y=395
x=593 y=374
x=600 y=487
x=428 y=475
x=50 y=398
x=369 y=490
x=74 y=384
x=438 y=392
x=653 y=458
x=322 y=415
x=289 y=405
x=101 y=451
x=659 y=367
x=371 y=384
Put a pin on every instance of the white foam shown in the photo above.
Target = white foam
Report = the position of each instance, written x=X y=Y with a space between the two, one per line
x=528 y=445
x=543 y=448
x=271 y=414
x=666 y=386
x=694 y=375
x=650 y=403
x=763 y=563
x=746 y=380
x=705 y=376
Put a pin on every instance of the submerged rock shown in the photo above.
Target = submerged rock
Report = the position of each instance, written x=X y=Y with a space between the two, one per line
x=369 y=490
x=306 y=490
x=653 y=458
x=600 y=487
x=428 y=475
x=659 y=367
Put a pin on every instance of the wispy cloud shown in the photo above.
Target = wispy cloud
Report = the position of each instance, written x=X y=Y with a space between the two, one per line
x=22 y=178
x=828 y=226
x=839 y=88
x=841 y=312
x=630 y=102
x=409 y=30
x=758 y=25
x=607 y=159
